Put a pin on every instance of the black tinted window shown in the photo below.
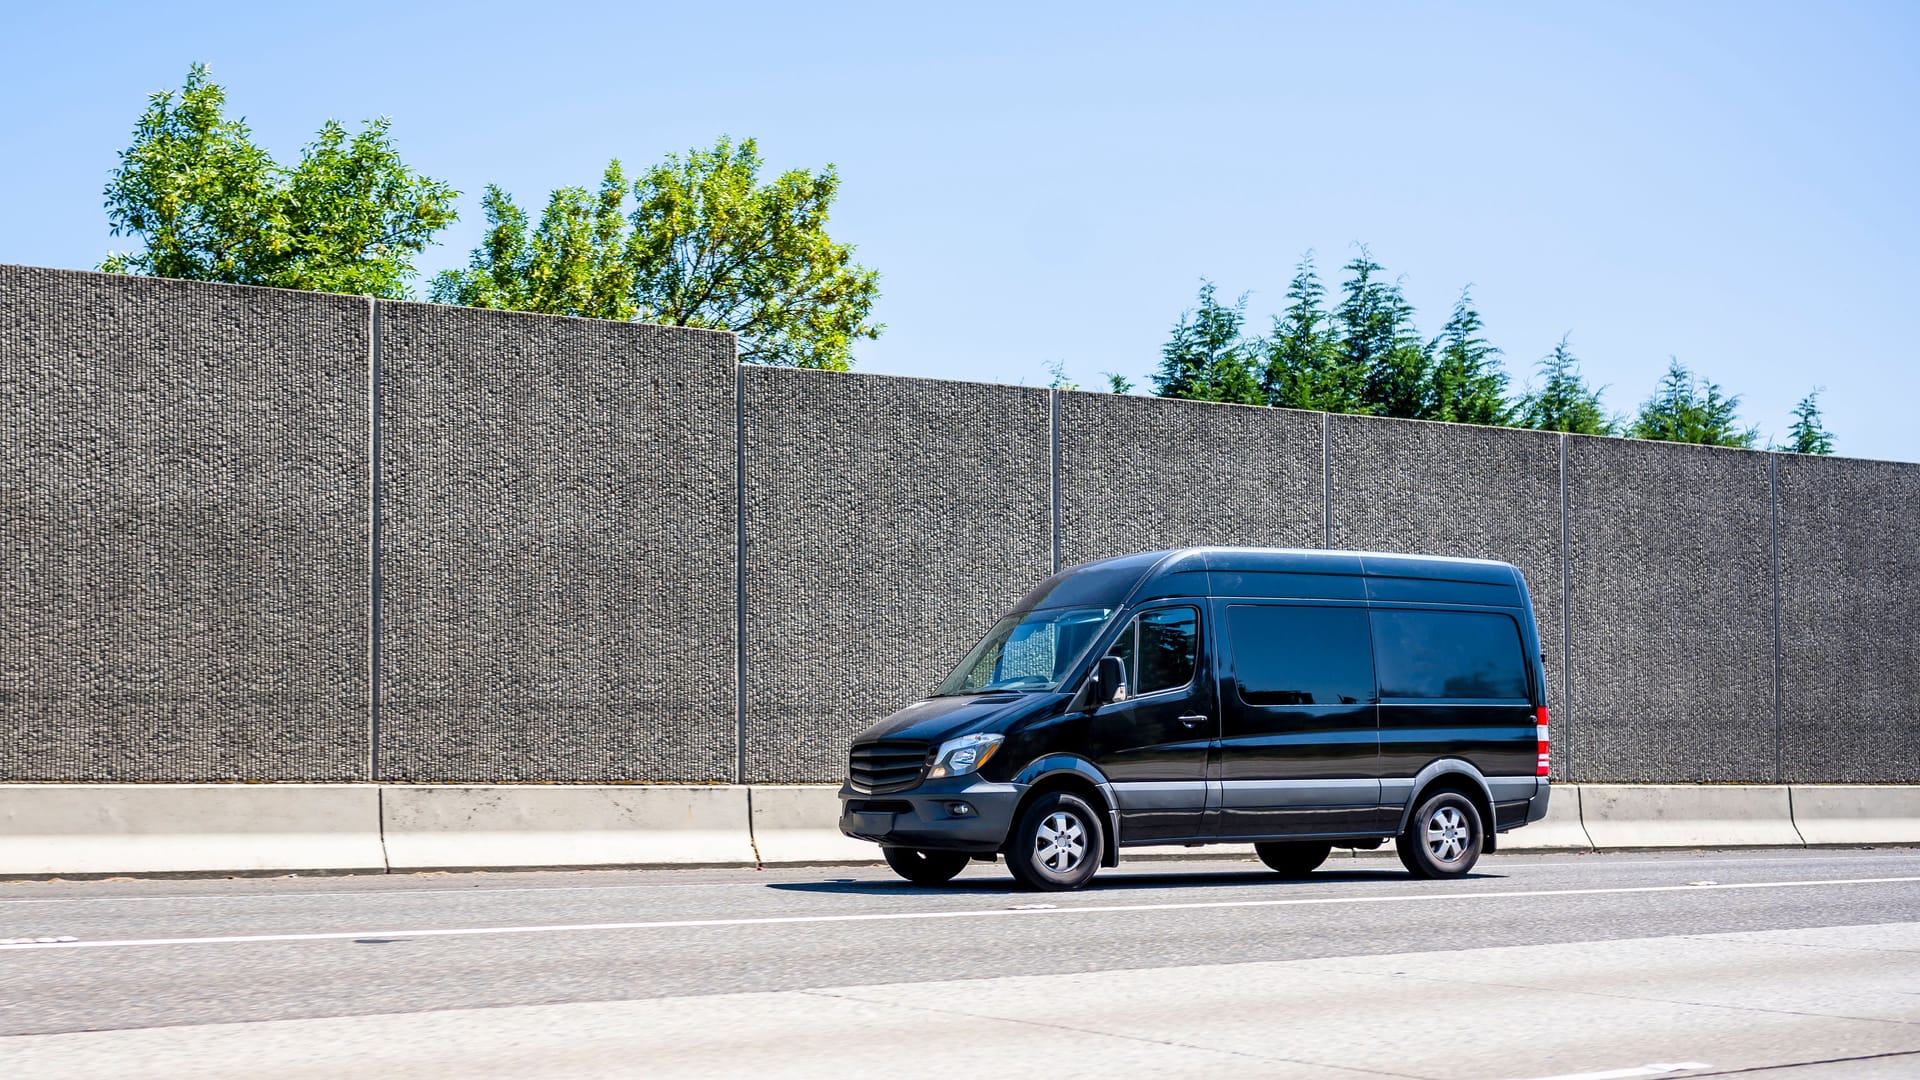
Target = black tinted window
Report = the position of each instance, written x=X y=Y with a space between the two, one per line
x=1301 y=655
x=1449 y=654
x=1159 y=648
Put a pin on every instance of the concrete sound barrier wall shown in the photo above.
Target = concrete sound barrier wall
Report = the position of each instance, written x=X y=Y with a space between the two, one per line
x=557 y=549
x=886 y=524
x=71 y=829
x=257 y=535
x=184 y=530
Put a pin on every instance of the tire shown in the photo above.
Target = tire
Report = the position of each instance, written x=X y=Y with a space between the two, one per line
x=1443 y=837
x=925 y=867
x=1057 y=843
x=1293 y=858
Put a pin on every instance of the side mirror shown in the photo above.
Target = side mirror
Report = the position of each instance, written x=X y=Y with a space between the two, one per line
x=1108 y=683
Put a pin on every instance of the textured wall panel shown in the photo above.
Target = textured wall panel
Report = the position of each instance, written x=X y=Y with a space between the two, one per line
x=1449 y=489
x=889 y=521
x=1140 y=473
x=557 y=549
x=1672 y=613
x=1850 y=620
x=183 y=567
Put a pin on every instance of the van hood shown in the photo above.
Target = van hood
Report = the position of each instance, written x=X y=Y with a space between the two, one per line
x=936 y=719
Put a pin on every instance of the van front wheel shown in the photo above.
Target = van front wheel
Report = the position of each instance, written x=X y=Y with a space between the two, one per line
x=1057 y=843
x=1442 y=838
x=925 y=867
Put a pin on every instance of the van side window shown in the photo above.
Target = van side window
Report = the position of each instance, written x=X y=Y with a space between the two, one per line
x=1449 y=654
x=1160 y=648
x=1300 y=655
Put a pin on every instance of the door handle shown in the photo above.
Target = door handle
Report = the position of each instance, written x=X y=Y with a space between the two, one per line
x=1193 y=721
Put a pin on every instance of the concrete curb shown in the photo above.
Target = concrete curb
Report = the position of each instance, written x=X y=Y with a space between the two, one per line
x=1856 y=814
x=1563 y=829
x=801 y=824
x=49 y=830
x=439 y=827
x=90 y=829
x=1695 y=815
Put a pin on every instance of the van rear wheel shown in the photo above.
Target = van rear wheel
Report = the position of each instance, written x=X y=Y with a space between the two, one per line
x=925 y=867
x=1443 y=837
x=1057 y=843
x=1293 y=858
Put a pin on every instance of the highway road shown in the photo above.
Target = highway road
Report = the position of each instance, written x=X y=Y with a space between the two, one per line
x=1800 y=964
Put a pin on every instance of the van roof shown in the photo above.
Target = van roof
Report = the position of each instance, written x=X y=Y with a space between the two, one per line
x=1305 y=573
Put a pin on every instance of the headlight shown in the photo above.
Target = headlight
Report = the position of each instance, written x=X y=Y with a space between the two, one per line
x=958 y=757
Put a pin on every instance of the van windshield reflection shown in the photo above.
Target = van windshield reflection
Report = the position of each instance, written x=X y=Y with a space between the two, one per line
x=1027 y=652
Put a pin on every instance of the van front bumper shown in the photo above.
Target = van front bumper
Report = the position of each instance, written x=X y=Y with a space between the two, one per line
x=931 y=816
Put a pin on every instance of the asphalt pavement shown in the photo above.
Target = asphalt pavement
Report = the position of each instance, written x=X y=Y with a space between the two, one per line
x=1802 y=964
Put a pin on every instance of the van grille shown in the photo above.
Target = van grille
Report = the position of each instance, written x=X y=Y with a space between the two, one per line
x=880 y=767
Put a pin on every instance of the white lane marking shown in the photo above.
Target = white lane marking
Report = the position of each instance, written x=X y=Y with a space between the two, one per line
x=972 y=913
x=397 y=891
x=1638 y=1070
x=1137 y=869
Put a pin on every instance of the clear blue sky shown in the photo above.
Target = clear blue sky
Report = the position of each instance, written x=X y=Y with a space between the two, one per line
x=1733 y=184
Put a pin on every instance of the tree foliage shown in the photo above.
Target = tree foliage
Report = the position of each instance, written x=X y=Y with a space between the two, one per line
x=705 y=244
x=1363 y=356
x=1375 y=327
x=209 y=204
x=1306 y=367
x=1689 y=410
x=1809 y=434
x=1563 y=402
x=1467 y=383
x=1206 y=359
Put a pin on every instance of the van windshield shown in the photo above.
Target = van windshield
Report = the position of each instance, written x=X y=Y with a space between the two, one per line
x=1027 y=651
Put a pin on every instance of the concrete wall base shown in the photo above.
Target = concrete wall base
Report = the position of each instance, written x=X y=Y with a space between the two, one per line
x=49 y=830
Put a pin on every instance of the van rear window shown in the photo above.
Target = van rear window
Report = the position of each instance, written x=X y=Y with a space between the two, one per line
x=1288 y=655
x=1475 y=655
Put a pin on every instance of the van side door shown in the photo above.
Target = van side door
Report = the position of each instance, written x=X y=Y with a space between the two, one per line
x=1454 y=683
x=1299 y=746
x=1153 y=745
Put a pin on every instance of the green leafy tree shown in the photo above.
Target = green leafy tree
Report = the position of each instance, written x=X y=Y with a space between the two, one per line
x=1468 y=385
x=1563 y=401
x=1206 y=359
x=1374 y=324
x=1118 y=384
x=209 y=204
x=1689 y=410
x=706 y=244
x=573 y=263
x=1058 y=369
x=1809 y=435
x=1305 y=366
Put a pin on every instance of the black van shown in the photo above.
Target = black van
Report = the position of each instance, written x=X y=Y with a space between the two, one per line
x=1298 y=700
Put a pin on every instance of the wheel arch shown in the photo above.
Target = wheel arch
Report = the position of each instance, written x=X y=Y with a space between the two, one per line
x=1453 y=774
x=1068 y=772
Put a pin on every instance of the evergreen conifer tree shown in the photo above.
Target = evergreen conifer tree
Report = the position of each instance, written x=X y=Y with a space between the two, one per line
x=1808 y=434
x=1375 y=332
x=1206 y=359
x=1468 y=385
x=1689 y=410
x=1305 y=368
x=1563 y=402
